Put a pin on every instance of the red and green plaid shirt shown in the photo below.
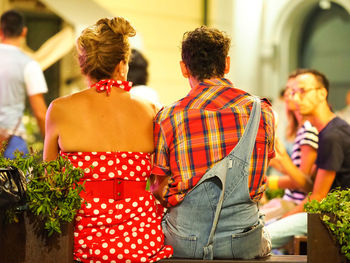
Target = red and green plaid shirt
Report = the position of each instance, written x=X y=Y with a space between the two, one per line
x=201 y=129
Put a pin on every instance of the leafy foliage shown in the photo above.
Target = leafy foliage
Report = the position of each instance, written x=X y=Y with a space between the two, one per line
x=335 y=214
x=53 y=191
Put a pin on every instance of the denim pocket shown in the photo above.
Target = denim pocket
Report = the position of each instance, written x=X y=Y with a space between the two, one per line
x=249 y=244
x=184 y=246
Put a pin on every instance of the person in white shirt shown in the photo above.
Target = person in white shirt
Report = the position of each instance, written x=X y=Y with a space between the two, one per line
x=138 y=75
x=20 y=76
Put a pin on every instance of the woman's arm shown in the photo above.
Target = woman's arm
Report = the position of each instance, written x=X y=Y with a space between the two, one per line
x=51 y=147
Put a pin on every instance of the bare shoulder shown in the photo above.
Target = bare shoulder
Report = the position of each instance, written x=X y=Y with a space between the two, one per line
x=148 y=106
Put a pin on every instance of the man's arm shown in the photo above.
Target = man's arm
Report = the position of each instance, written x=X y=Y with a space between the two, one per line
x=38 y=105
x=323 y=183
x=284 y=163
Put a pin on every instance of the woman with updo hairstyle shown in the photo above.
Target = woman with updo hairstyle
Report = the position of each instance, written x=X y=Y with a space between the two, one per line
x=109 y=134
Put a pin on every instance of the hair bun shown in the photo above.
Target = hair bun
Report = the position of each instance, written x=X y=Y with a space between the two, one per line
x=120 y=26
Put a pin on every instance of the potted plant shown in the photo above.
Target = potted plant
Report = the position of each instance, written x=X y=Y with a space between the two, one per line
x=329 y=228
x=41 y=230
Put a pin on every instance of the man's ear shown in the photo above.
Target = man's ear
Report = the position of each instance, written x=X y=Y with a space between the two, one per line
x=24 y=32
x=184 y=70
x=323 y=93
x=227 y=64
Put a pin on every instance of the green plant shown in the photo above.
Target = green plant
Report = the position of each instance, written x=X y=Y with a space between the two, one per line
x=53 y=191
x=334 y=210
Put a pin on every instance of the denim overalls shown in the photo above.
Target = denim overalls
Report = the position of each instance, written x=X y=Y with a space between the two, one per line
x=211 y=223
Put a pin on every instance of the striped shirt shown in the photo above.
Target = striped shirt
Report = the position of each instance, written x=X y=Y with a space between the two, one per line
x=306 y=135
x=201 y=129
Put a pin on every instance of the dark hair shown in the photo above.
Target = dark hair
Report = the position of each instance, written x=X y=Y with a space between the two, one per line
x=204 y=51
x=138 y=64
x=12 y=23
x=102 y=46
x=321 y=78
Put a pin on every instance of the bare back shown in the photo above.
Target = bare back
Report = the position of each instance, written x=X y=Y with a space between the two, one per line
x=92 y=121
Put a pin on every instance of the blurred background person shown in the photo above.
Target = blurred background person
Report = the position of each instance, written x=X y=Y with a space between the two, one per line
x=138 y=75
x=304 y=153
x=19 y=76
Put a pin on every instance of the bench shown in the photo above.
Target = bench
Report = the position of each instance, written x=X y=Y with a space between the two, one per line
x=273 y=258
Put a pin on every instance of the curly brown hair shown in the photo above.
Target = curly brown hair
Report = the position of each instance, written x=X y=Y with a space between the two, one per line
x=102 y=46
x=204 y=51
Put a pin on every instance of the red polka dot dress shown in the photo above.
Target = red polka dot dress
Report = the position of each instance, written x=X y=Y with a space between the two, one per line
x=119 y=221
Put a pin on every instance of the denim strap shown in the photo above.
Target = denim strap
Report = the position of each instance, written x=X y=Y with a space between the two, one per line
x=247 y=141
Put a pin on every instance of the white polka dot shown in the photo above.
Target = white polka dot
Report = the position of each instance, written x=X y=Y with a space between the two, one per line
x=119 y=172
x=81 y=241
x=105 y=257
x=146 y=236
x=139 y=209
x=124 y=155
x=127 y=210
x=136 y=219
x=80 y=163
x=144 y=174
x=74 y=157
x=120 y=244
x=138 y=168
x=89 y=238
x=80 y=227
x=126 y=251
x=85 y=256
x=95 y=176
x=94 y=153
x=139 y=241
x=120 y=256
x=146 y=203
x=112 y=231
x=143 y=162
x=87 y=158
x=111 y=174
x=127 y=200
x=97 y=252
x=102 y=157
x=99 y=223
x=131 y=161
x=129 y=223
x=127 y=239
x=120 y=227
x=109 y=220
x=96 y=200
x=124 y=167
x=110 y=162
x=118 y=161
x=102 y=169
x=132 y=173
x=95 y=164
x=143 y=259
x=103 y=206
x=159 y=239
x=141 y=229
x=153 y=232
x=134 y=234
x=87 y=170
x=134 y=204
x=136 y=156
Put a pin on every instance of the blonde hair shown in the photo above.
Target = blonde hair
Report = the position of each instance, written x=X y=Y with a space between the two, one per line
x=102 y=46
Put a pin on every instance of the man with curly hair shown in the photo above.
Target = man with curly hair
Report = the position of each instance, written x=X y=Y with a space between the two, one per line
x=212 y=149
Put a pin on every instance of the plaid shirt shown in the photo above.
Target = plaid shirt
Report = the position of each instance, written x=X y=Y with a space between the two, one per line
x=201 y=129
